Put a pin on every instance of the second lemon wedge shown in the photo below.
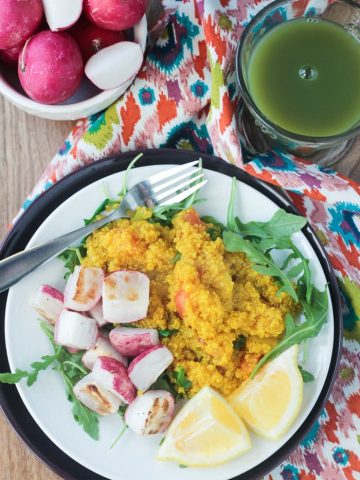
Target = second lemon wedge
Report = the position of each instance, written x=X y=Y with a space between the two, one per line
x=205 y=432
x=270 y=402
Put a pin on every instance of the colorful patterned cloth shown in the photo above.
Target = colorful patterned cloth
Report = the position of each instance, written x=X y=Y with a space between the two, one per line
x=185 y=97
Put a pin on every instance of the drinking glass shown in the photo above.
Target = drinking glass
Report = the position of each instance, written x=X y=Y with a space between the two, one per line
x=257 y=132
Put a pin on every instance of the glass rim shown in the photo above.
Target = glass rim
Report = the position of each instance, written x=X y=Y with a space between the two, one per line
x=306 y=139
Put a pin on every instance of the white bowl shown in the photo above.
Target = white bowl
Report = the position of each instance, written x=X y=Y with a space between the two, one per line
x=87 y=100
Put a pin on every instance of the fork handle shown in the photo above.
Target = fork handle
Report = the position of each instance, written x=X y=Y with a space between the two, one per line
x=17 y=266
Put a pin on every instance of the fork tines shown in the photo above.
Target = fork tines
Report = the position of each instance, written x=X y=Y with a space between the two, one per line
x=177 y=183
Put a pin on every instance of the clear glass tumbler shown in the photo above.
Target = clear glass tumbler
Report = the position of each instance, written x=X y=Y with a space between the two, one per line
x=258 y=133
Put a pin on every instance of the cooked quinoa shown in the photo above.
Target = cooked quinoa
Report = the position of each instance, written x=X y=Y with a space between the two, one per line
x=210 y=296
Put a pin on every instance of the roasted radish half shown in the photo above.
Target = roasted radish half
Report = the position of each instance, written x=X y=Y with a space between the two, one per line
x=62 y=15
x=94 y=396
x=112 y=375
x=74 y=330
x=145 y=369
x=132 y=341
x=103 y=348
x=125 y=296
x=83 y=288
x=150 y=413
x=48 y=302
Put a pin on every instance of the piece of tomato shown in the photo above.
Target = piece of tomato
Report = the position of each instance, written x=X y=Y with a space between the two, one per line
x=180 y=299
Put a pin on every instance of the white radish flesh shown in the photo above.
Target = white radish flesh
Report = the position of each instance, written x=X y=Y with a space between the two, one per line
x=74 y=330
x=83 y=288
x=97 y=313
x=113 y=66
x=146 y=368
x=140 y=33
x=125 y=296
x=113 y=375
x=62 y=14
x=103 y=348
x=48 y=302
x=132 y=341
x=94 y=396
x=150 y=413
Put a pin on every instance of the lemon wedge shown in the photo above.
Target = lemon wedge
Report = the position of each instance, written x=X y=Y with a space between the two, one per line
x=205 y=432
x=270 y=402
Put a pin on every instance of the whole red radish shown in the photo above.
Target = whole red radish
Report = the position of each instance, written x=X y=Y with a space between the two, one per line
x=10 y=56
x=50 y=67
x=114 y=14
x=18 y=20
x=91 y=39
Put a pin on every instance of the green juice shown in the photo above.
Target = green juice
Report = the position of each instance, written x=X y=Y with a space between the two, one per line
x=304 y=76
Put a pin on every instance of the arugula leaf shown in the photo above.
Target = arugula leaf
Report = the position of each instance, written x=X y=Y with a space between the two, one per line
x=72 y=257
x=231 y=206
x=164 y=383
x=261 y=263
x=167 y=333
x=282 y=224
x=12 y=378
x=181 y=465
x=315 y=317
x=240 y=342
x=131 y=164
x=181 y=379
x=307 y=376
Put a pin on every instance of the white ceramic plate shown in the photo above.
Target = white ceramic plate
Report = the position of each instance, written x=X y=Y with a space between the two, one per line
x=134 y=457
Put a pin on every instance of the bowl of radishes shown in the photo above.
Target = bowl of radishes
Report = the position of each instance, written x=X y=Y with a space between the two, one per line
x=70 y=59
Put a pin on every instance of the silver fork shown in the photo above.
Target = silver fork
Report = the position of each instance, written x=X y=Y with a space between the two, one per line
x=164 y=188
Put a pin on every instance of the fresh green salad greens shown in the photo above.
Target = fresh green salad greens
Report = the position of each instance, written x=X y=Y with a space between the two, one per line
x=71 y=369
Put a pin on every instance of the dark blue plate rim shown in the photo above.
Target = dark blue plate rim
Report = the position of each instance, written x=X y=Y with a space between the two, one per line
x=17 y=238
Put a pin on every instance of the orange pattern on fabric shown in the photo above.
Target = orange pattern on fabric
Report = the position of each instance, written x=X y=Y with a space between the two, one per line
x=353 y=467
x=130 y=115
x=200 y=61
x=214 y=38
x=227 y=113
x=166 y=110
x=330 y=425
x=315 y=194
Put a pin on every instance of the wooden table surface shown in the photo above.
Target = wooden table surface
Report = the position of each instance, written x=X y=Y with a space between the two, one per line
x=26 y=146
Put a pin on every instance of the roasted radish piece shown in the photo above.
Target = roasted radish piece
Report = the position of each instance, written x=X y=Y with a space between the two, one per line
x=132 y=341
x=48 y=302
x=150 y=413
x=74 y=330
x=125 y=296
x=83 y=288
x=103 y=348
x=145 y=369
x=97 y=313
x=94 y=396
x=112 y=375
x=61 y=15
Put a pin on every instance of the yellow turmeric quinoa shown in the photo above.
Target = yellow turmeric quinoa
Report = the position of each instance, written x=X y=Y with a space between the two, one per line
x=209 y=295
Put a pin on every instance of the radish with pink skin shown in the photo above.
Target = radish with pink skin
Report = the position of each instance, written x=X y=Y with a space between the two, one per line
x=114 y=14
x=62 y=14
x=132 y=341
x=94 y=396
x=113 y=376
x=50 y=67
x=18 y=20
x=150 y=413
x=48 y=302
x=147 y=367
x=83 y=288
x=11 y=55
x=74 y=330
x=97 y=313
x=115 y=65
x=125 y=296
x=91 y=39
x=102 y=348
